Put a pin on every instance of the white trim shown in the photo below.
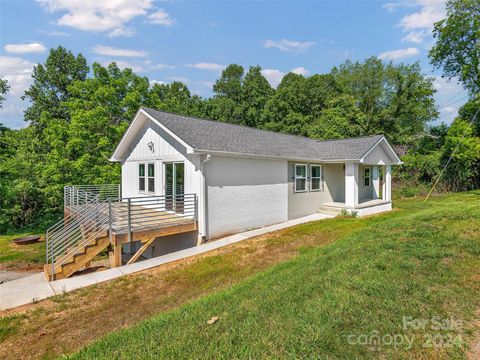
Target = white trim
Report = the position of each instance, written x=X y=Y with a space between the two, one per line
x=133 y=123
x=319 y=178
x=271 y=157
x=399 y=162
x=147 y=177
x=144 y=191
x=300 y=178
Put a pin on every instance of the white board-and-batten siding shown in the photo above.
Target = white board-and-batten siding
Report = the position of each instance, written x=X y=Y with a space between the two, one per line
x=245 y=194
x=165 y=149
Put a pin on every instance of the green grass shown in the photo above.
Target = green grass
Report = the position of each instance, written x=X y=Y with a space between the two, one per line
x=17 y=257
x=420 y=261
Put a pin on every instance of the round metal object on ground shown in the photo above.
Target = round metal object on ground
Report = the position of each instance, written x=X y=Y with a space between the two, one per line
x=27 y=240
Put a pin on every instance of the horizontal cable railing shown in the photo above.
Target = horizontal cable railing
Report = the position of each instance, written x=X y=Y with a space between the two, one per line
x=75 y=195
x=137 y=213
x=98 y=210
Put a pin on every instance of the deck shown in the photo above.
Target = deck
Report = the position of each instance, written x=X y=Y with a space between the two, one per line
x=97 y=217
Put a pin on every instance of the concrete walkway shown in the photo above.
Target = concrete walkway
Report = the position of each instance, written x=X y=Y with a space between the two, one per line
x=35 y=287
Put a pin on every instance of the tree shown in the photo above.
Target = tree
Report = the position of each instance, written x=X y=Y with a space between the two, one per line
x=463 y=171
x=227 y=97
x=285 y=111
x=50 y=86
x=457 y=48
x=4 y=87
x=395 y=100
x=255 y=93
x=341 y=118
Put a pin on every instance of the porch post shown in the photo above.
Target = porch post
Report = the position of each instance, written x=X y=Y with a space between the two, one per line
x=351 y=185
x=376 y=182
x=387 y=183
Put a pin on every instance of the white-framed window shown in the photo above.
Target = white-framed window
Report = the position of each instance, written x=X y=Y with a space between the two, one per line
x=367 y=176
x=141 y=177
x=151 y=177
x=315 y=177
x=300 y=177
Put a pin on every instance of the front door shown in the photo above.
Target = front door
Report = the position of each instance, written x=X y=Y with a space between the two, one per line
x=174 y=186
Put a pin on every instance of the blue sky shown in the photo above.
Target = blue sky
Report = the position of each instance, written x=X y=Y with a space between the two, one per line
x=193 y=41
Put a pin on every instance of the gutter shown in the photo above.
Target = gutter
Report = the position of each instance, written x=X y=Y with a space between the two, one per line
x=203 y=196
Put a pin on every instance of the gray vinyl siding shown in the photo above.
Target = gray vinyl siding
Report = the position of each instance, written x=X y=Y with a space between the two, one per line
x=307 y=203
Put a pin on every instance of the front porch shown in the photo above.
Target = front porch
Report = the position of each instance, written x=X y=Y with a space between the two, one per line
x=367 y=190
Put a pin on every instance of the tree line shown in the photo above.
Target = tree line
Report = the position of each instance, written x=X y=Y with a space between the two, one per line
x=78 y=113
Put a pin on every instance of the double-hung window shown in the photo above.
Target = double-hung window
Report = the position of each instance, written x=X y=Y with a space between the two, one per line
x=300 y=178
x=141 y=177
x=367 y=176
x=315 y=177
x=151 y=177
x=146 y=177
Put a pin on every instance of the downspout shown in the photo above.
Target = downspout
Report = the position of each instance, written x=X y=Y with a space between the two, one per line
x=203 y=198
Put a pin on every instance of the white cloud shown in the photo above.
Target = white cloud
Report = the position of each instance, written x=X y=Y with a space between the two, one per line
x=275 y=76
x=289 y=45
x=449 y=97
x=398 y=54
x=300 y=71
x=418 y=24
x=161 y=17
x=207 y=66
x=97 y=15
x=125 y=31
x=138 y=66
x=25 y=48
x=111 y=51
x=159 y=82
x=17 y=72
x=415 y=37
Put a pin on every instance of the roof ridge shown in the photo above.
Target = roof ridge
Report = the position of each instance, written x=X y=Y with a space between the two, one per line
x=263 y=130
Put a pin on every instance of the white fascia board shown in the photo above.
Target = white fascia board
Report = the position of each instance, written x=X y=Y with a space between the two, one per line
x=127 y=135
x=272 y=157
x=399 y=162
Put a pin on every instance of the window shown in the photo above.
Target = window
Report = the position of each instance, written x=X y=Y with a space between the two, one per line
x=300 y=178
x=151 y=177
x=316 y=177
x=141 y=177
x=367 y=176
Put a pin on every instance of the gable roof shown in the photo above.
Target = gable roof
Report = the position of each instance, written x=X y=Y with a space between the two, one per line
x=202 y=135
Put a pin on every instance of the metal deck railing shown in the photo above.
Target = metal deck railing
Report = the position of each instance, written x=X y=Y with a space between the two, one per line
x=94 y=211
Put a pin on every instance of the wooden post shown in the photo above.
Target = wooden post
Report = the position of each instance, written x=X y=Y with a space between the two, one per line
x=115 y=254
x=129 y=212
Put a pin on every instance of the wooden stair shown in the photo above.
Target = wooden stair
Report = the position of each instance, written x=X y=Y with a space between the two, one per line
x=76 y=258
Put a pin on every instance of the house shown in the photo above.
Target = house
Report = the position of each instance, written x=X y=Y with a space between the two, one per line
x=247 y=178
x=187 y=180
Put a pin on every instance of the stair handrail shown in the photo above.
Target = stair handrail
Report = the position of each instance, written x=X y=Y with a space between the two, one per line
x=84 y=222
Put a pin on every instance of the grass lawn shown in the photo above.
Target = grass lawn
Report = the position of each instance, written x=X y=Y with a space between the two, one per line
x=21 y=257
x=322 y=289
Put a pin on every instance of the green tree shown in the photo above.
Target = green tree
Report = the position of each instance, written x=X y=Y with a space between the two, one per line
x=463 y=171
x=457 y=48
x=227 y=91
x=395 y=100
x=4 y=87
x=285 y=111
x=256 y=91
x=50 y=85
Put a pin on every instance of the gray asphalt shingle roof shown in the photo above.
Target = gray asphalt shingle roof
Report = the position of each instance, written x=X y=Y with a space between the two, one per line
x=209 y=135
